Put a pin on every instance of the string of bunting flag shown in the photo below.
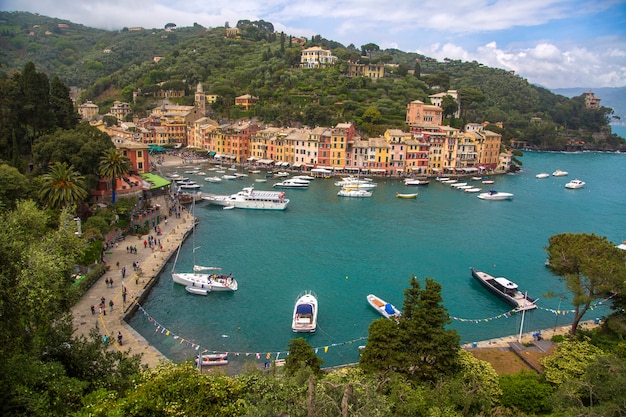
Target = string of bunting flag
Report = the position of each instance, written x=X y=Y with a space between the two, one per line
x=560 y=312
x=267 y=355
x=258 y=355
x=499 y=316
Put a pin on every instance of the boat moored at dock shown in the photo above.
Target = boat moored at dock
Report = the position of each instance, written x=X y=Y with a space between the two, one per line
x=249 y=198
x=506 y=290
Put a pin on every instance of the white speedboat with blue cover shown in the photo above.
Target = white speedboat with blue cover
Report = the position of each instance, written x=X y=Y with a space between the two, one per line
x=305 y=313
x=386 y=309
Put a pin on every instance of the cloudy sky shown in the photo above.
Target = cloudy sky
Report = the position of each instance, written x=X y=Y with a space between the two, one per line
x=553 y=43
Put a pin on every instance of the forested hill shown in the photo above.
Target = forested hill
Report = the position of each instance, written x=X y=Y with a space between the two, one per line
x=110 y=65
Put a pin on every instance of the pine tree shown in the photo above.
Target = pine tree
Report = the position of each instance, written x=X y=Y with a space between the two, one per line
x=430 y=350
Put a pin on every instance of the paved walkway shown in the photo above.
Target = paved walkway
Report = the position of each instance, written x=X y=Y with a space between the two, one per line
x=111 y=320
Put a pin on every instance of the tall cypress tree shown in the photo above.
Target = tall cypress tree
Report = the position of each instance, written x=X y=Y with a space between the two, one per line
x=419 y=346
x=430 y=350
x=61 y=105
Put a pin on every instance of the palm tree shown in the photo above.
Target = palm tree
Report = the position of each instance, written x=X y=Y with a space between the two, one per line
x=113 y=165
x=63 y=186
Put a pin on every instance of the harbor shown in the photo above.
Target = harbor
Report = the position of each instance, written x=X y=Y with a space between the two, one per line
x=346 y=251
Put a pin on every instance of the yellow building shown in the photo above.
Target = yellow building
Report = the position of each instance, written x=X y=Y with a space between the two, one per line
x=373 y=71
x=316 y=57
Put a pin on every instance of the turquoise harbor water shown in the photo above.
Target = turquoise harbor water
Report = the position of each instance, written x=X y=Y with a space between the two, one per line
x=343 y=249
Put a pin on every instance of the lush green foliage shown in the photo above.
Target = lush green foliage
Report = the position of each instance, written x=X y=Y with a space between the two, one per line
x=525 y=391
x=113 y=165
x=63 y=187
x=418 y=346
x=569 y=361
x=44 y=371
x=113 y=64
x=590 y=266
x=302 y=355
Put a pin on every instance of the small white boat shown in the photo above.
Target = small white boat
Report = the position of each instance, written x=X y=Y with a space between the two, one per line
x=559 y=173
x=449 y=181
x=442 y=179
x=213 y=359
x=200 y=173
x=240 y=175
x=384 y=308
x=281 y=174
x=473 y=190
x=495 y=196
x=189 y=185
x=213 y=179
x=254 y=171
x=403 y=195
x=304 y=318
x=465 y=187
x=542 y=175
x=458 y=184
x=229 y=177
x=261 y=180
x=292 y=183
x=304 y=177
x=573 y=184
x=476 y=178
x=197 y=290
x=413 y=182
x=220 y=171
x=488 y=181
x=354 y=191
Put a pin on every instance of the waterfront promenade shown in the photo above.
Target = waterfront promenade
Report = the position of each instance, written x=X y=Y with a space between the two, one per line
x=137 y=283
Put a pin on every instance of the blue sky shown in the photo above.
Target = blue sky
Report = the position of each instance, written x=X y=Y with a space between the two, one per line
x=553 y=43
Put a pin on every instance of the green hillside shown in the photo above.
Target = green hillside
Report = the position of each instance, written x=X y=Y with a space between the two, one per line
x=110 y=65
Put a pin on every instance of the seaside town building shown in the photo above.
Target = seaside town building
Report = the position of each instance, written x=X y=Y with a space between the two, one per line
x=88 y=111
x=591 y=101
x=373 y=71
x=316 y=57
x=246 y=101
x=437 y=100
x=120 y=110
x=417 y=113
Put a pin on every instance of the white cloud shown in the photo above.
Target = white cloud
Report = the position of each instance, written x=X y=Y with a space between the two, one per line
x=546 y=63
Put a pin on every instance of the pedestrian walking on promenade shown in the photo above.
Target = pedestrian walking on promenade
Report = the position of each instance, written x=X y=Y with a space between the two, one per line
x=111 y=305
x=119 y=338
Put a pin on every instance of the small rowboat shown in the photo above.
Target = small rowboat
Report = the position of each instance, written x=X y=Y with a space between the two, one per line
x=401 y=195
x=213 y=359
x=197 y=290
x=384 y=308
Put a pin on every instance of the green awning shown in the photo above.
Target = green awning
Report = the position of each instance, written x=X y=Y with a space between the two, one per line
x=211 y=153
x=156 y=181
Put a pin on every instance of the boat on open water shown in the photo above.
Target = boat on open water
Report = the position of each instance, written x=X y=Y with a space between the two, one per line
x=385 y=309
x=495 y=195
x=574 y=184
x=304 y=318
